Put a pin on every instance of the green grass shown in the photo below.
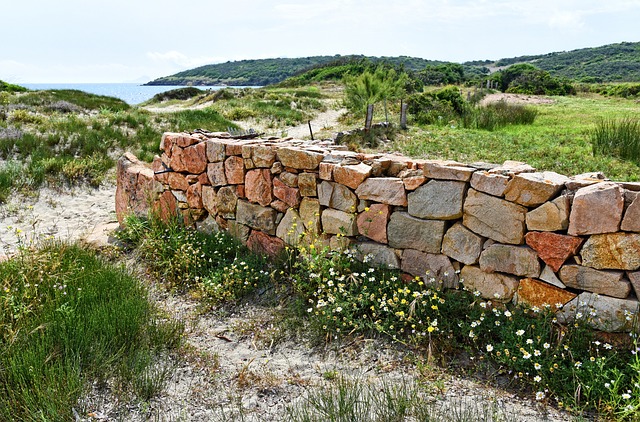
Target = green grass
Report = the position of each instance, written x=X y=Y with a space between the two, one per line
x=69 y=319
x=617 y=138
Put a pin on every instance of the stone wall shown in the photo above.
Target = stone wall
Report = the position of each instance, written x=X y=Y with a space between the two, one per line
x=506 y=231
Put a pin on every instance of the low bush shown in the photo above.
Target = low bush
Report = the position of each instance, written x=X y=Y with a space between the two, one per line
x=618 y=138
x=177 y=94
x=497 y=115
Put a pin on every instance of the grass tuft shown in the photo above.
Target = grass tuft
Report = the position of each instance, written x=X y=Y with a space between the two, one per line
x=617 y=138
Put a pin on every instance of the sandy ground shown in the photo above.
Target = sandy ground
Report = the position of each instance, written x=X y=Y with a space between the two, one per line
x=516 y=99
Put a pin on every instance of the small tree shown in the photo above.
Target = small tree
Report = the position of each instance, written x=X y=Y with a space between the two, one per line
x=372 y=87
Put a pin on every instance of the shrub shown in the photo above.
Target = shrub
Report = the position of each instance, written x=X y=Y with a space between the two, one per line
x=177 y=94
x=437 y=107
x=618 y=138
x=372 y=87
x=497 y=115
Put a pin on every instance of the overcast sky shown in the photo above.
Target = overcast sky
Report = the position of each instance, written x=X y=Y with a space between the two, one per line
x=139 y=40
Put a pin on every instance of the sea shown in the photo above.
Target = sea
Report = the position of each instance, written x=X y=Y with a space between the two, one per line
x=130 y=93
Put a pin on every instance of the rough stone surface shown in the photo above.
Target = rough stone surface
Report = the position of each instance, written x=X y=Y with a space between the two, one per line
x=351 y=175
x=607 y=198
x=195 y=158
x=532 y=189
x=553 y=248
x=533 y=292
x=511 y=167
x=177 y=181
x=550 y=277
x=376 y=255
x=448 y=170
x=288 y=195
x=299 y=159
x=310 y=214
x=462 y=244
x=258 y=185
x=631 y=220
x=264 y=244
x=550 y=216
x=339 y=222
x=194 y=196
x=435 y=269
x=291 y=229
x=372 y=222
x=289 y=179
x=610 y=283
x=494 y=218
x=166 y=207
x=387 y=190
x=611 y=314
x=226 y=201
x=136 y=189
x=239 y=231
x=215 y=151
x=326 y=171
x=262 y=156
x=618 y=251
x=407 y=232
x=234 y=170
x=337 y=196
x=413 y=182
x=517 y=260
x=216 y=174
x=256 y=216
x=492 y=286
x=209 y=200
x=438 y=200
x=634 y=277
x=307 y=184
x=493 y=184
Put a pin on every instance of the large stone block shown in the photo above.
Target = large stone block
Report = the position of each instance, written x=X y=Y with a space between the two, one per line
x=376 y=255
x=310 y=215
x=264 y=244
x=136 y=188
x=387 y=190
x=335 y=195
x=291 y=228
x=492 y=286
x=553 y=248
x=634 y=277
x=491 y=183
x=215 y=151
x=216 y=174
x=307 y=184
x=194 y=196
x=234 y=170
x=226 y=201
x=195 y=158
x=438 y=200
x=351 y=175
x=407 y=232
x=462 y=244
x=601 y=312
x=288 y=195
x=495 y=218
x=617 y=251
x=533 y=292
x=372 y=222
x=532 y=189
x=550 y=216
x=258 y=186
x=435 y=269
x=610 y=283
x=517 y=260
x=447 y=170
x=339 y=222
x=631 y=220
x=209 y=200
x=256 y=216
x=262 y=156
x=298 y=158
x=596 y=209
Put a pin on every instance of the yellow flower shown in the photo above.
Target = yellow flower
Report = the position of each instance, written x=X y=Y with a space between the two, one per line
x=430 y=329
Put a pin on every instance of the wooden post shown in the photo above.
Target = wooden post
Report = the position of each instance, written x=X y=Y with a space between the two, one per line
x=369 y=119
x=403 y=115
x=310 y=131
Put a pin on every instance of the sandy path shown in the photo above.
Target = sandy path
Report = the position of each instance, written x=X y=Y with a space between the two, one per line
x=321 y=124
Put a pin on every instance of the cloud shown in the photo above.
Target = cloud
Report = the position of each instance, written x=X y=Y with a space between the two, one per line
x=182 y=60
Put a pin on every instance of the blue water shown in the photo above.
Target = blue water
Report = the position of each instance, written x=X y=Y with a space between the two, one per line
x=130 y=93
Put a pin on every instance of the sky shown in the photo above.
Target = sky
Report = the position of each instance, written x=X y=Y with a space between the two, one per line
x=84 y=41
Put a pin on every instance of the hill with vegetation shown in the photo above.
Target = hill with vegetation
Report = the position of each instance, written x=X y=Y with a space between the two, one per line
x=610 y=63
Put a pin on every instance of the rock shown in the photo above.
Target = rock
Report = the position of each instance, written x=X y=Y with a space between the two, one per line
x=279 y=206
x=376 y=255
x=492 y=286
x=447 y=170
x=298 y=158
x=307 y=184
x=550 y=216
x=326 y=171
x=339 y=222
x=493 y=184
x=166 y=207
x=234 y=170
x=512 y=168
x=262 y=156
x=258 y=186
x=494 y=218
x=136 y=187
x=167 y=142
x=462 y=245
x=177 y=181
x=262 y=243
x=289 y=179
x=226 y=201
x=634 y=277
x=607 y=198
x=310 y=215
x=209 y=200
x=553 y=248
x=387 y=190
x=610 y=283
x=413 y=182
x=550 y=277
x=435 y=269
x=216 y=174
x=407 y=232
x=532 y=189
x=372 y=222
x=208 y=225
x=631 y=220
x=611 y=314
x=185 y=140
x=215 y=151
x=238 y=231
x=291 y=229
x=337 y=196
x=532 y=292
x=256 y=216
x=194 y=196
x=618 y=251
x=517 y=260
x=288 y=195
x=438 y=200
x=351 y=176
x=195 y=158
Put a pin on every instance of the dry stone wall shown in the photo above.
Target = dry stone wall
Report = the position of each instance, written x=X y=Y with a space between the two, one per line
x=506 y=231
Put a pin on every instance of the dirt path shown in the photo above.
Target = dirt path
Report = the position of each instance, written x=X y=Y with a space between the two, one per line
x=324 y=123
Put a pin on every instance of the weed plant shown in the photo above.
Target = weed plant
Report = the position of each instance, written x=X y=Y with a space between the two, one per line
x=498 y=115
x=617 y=138
x=69 y=319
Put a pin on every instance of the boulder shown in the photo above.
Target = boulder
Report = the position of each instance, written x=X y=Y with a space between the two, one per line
x=550 y=216
x=195 y=158
x=258 y=186
x=494 y=286
x=610 y=283
x=372 y=222
x=256 y=216
x=387 y=190
x=407 y=232
x=216 y=174
x=532 y=189
x=291 y=229
x=617 y=251
x=215 y=151
x=298 y=158
x=326 y=171
x=462 y=244
x=233 y=170
x=310 y=215
x=517 y=260
x=226 y=201
x=550 y=277
x=307 y=184
x=351 y=175
x=238 y=231
x=493 y=184
x=447 y=170
x=262 y=243
x=596 y=209
x=533 y=292
x=438 y=200
x=553 y=248
x=335 y=195
x=339 y=222
x=435 y=269
x=376 y=255
x=495 y=218
x=194 y=196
